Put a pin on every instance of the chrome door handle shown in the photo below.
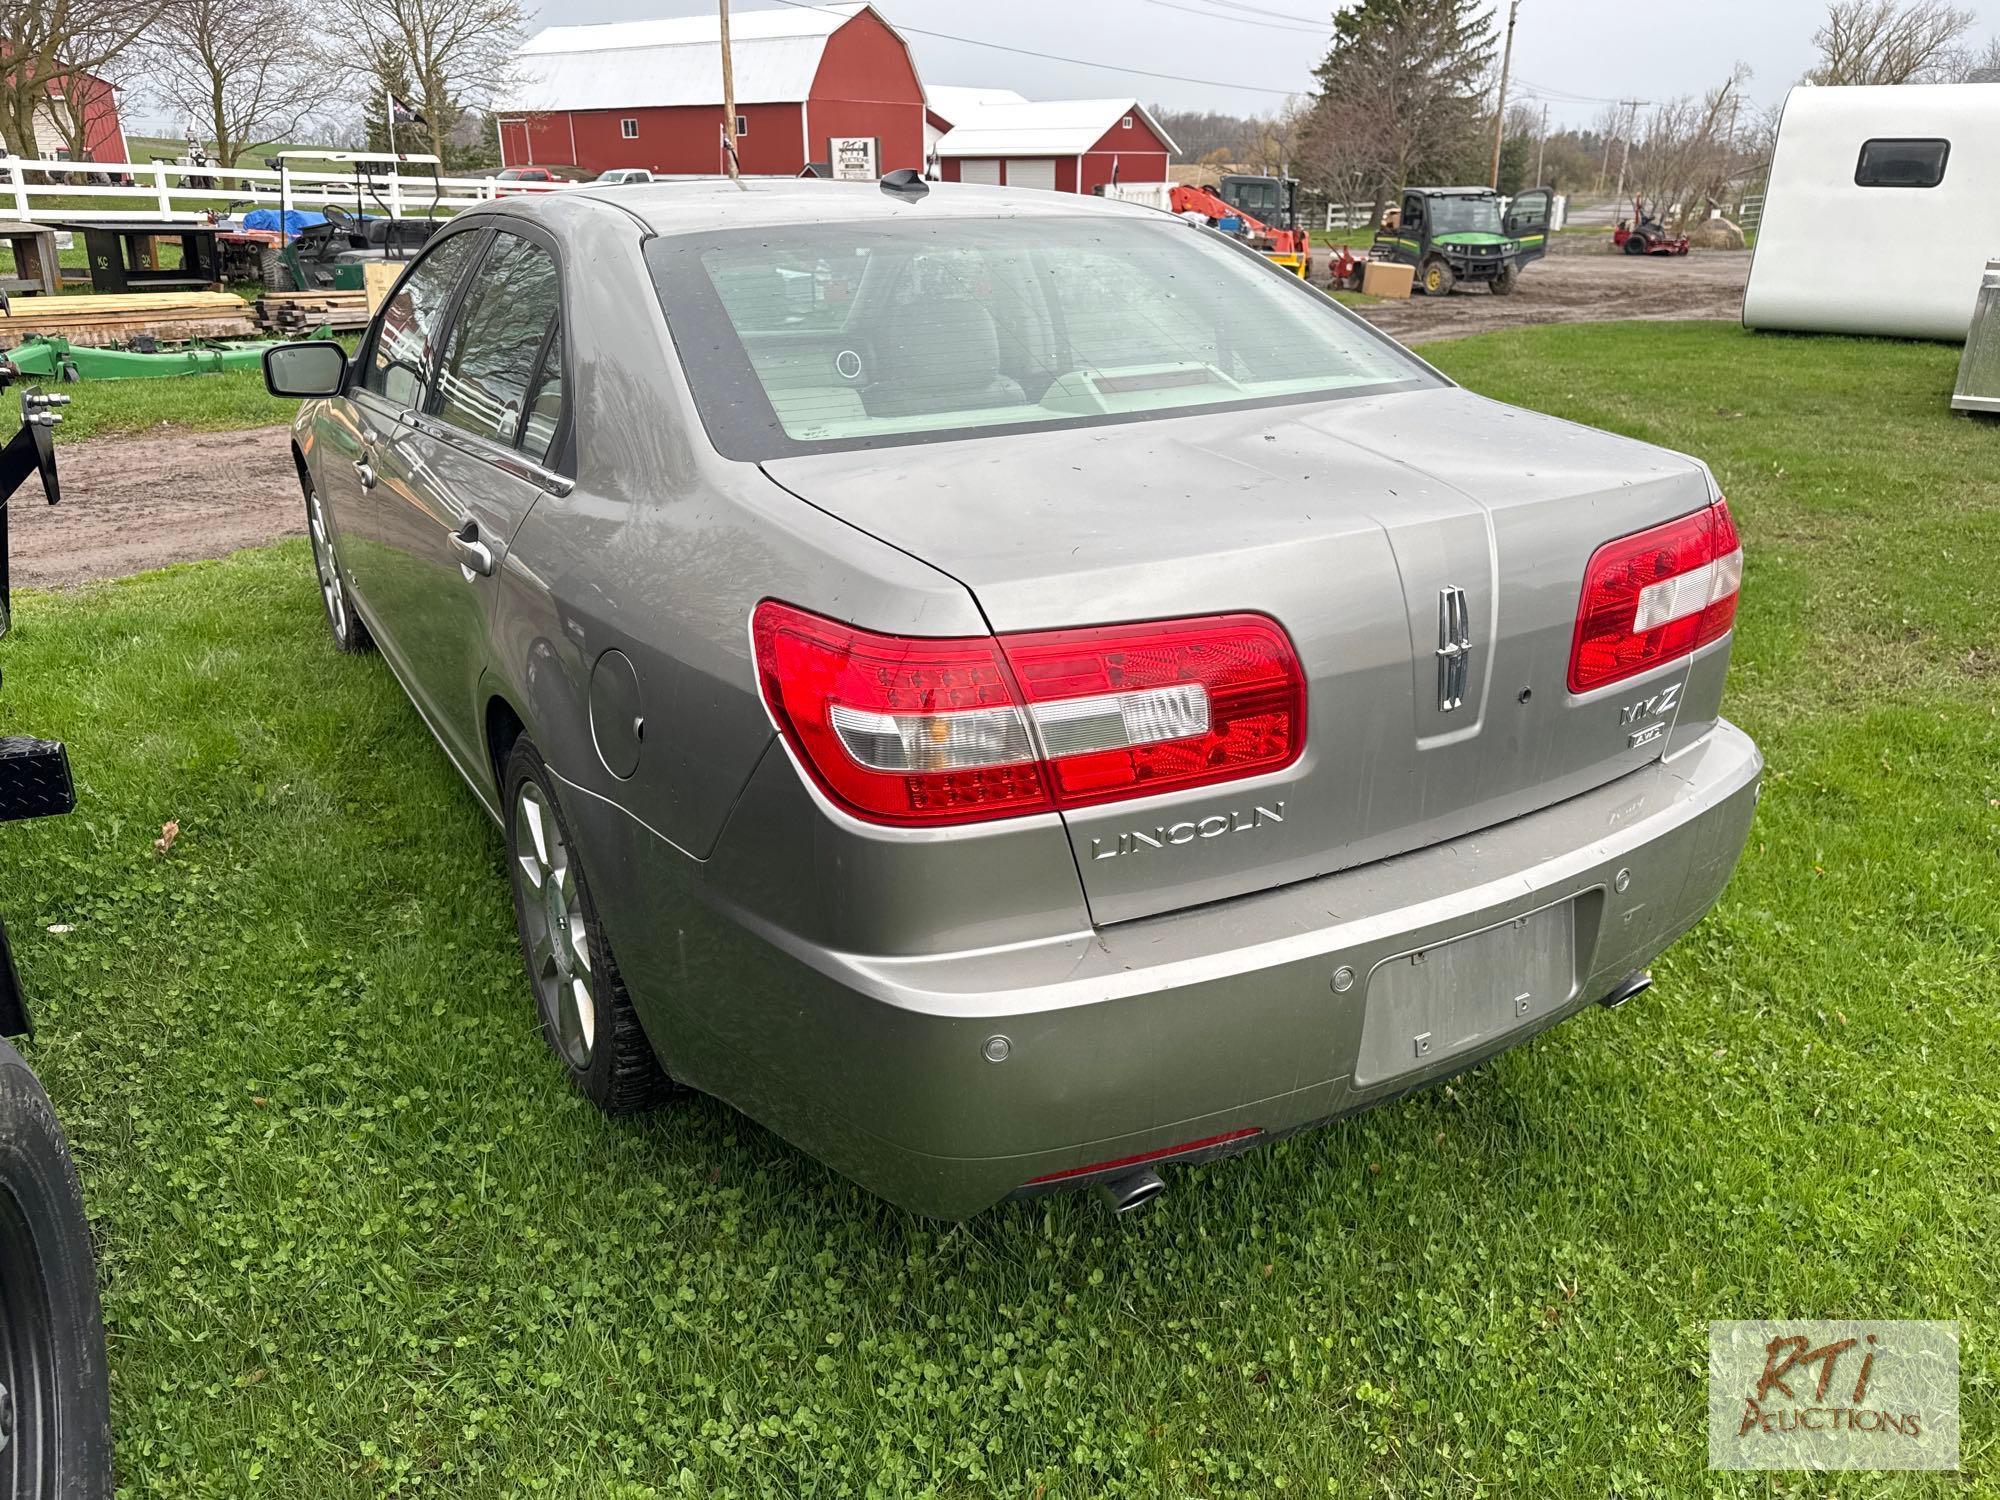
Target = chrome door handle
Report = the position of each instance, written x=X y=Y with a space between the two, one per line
x=475 y=558
x=366 y=474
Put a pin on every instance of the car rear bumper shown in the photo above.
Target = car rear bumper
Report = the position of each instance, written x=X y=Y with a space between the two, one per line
x=947 y=1082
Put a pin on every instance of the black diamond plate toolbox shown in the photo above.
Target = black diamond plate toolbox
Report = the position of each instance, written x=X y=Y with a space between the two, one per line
x=34 y=778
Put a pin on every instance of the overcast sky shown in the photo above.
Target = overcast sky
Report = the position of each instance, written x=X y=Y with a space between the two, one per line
x=1573 y=53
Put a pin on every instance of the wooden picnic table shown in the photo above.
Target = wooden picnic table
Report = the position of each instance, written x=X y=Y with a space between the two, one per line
x=37 y=270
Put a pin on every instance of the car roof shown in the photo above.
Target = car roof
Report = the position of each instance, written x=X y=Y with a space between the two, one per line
x=1457 y=192
x=703 y=205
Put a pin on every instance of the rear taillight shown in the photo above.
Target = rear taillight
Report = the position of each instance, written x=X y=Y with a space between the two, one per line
x=921 y=730
x=1656 y=595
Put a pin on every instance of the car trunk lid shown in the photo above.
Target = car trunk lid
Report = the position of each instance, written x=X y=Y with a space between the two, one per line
x=1423 y=550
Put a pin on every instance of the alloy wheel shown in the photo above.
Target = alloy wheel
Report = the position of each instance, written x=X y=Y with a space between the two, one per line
x=558 y=944
x=329 y=568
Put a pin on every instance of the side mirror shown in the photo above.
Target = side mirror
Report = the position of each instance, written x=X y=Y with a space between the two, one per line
x=318 y=368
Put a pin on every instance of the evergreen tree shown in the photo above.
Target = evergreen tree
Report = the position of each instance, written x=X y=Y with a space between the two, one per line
x=1404 y=84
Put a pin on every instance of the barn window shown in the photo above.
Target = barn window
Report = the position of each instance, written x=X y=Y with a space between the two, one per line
x=629 y=128
x=742 y=125
x=1128 y=122
x=1903 y=164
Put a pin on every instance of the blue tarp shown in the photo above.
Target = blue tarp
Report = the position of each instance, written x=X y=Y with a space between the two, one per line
x=295 y=219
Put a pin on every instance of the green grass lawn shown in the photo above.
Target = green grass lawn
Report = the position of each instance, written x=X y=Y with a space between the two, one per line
x=358 y=1238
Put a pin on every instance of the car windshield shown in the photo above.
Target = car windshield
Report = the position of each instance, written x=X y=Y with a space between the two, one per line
x=1465 y=216
x=811 y=337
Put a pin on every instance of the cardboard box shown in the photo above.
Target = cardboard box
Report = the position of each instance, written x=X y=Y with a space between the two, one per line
x=1387 y=278
x=377 y=276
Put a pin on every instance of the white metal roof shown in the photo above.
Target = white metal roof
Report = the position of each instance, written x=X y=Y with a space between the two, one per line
x=954 y=101
x=651 y=64
x=1050 y=127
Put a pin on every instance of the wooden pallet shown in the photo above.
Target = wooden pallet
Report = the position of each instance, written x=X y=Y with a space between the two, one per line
x=294 y=312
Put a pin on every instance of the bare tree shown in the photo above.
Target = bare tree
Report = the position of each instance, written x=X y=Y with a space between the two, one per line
x=450 y=51
x=1689 y=154
x=1983 y=67
x=56 y=46
x=241 y=71
x=1881 y=41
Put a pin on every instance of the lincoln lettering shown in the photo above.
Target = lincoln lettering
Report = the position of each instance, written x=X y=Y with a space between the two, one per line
x=1214 y=826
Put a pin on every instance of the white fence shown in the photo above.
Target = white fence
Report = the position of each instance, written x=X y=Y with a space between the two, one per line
x=24 y=182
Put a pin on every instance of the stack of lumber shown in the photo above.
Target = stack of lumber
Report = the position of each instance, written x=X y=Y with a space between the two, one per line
x=297 y=312
x=93 y=320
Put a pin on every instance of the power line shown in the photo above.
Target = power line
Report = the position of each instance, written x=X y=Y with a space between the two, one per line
x=1239 y=20
x=1282 y=15
x=1081 y=62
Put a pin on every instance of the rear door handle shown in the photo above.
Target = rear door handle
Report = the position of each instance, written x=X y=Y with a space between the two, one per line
x=364 y=473
x=475 y=558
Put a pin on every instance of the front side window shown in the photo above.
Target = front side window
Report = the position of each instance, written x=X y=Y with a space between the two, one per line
x=806 y=338
x=405 y=351
x=1902 y=163
x=485 y=380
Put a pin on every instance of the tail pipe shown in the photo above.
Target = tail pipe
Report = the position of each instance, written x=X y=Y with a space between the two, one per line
x=1133 y=1190
x=1635 y=983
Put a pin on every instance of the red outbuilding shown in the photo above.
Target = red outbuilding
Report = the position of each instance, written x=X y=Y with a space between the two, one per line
x=813 y=86
x=1070 y=145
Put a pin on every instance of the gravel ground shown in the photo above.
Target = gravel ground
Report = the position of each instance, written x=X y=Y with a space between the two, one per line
x=142 y=502
x=1580 y=289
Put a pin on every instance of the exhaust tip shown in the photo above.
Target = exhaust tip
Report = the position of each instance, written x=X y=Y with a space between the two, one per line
x=1134 y=1190
x=1636 y=983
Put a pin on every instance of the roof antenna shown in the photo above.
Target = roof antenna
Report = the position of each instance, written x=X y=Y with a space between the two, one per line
x=906 y=183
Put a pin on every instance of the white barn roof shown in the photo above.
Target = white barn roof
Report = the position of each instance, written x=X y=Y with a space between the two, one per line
x=651 y=64
x=1053 y=127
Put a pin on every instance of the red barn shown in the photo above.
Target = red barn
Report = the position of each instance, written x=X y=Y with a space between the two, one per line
x=1070 y=145
x=649 y=94
x=104 y=133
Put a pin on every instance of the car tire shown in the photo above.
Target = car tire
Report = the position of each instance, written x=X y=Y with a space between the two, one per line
x=349 y=634
x=587 y=1017
x=1503 y=285
x=55 y=1409
x=1437 y=279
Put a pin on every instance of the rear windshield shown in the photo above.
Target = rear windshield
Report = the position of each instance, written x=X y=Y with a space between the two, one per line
x=828 y=336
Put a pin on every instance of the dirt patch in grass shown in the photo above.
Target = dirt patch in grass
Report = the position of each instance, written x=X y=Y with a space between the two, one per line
x=134 y=503
x=1580 y=289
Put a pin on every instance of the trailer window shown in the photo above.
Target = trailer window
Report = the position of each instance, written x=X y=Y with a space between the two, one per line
x=1902 y=164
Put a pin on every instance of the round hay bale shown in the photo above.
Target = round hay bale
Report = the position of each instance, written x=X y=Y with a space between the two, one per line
x=1716 y=234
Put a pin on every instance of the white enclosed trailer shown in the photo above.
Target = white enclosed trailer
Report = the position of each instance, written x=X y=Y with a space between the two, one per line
x=1882 y=210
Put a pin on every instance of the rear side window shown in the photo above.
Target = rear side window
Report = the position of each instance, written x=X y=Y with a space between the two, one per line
x=545 y=406
x=1902 y=164
x=485 y=383
x=405 y=350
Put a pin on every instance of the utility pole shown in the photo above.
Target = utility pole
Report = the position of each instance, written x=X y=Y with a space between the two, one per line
x=1500 y=113
x=1625 y=156
x=728 y=97
x=1541 y=145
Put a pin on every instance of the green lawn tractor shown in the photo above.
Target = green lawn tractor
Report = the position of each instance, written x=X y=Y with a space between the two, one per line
x=1459 y=234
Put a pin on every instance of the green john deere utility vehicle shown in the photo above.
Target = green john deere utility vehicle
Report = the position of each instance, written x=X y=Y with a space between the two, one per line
x=1459 y=234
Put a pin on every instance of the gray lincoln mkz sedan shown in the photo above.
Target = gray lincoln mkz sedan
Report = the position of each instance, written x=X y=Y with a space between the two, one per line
x=1010 y=689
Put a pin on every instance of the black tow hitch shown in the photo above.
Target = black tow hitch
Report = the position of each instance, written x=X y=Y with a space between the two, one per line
x=34 y=773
